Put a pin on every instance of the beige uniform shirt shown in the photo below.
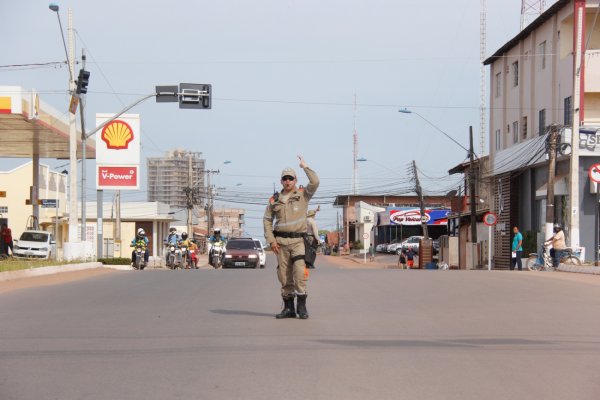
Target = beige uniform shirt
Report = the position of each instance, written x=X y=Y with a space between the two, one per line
x=558 y=241
x=288 y=213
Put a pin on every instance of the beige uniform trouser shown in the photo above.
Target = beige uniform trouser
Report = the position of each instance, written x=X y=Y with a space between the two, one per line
x=292 y=275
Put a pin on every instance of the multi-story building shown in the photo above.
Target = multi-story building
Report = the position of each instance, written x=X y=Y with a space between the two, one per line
x=168 y=178
x=532 y=79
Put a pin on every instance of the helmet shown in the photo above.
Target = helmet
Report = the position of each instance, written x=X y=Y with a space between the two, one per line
x=557 y=227
x=217 y=231
x=184 y=235
x=141 y=232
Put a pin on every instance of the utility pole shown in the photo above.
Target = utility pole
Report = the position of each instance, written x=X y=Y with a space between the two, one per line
x=83 y=156
x=419 y=192
x=552 y=139
x=189 y=191
x=472 y=188
x=209 y=203
x=578 y=68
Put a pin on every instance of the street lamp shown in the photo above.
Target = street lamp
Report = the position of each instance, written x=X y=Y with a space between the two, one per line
x=71 y=250
x=407 y=111
x=471 y=169
x=54 y=7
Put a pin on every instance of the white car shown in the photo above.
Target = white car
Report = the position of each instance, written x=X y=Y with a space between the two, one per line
x=262 y=256
x=35 y=244
x=411 y=242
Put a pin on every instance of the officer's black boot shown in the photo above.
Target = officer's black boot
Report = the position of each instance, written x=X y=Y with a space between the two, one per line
x=288 y=308
x=302 y=311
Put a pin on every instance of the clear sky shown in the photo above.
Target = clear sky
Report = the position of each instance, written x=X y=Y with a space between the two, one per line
x=284 y=74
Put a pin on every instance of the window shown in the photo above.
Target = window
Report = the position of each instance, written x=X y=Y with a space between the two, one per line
x=498 y=81
x=498 y=140
x=3 y=210
x=542 y=53
x=524 y=127
x=568 y=112
x=515 y=70
x=542 y=121
x=515 y=131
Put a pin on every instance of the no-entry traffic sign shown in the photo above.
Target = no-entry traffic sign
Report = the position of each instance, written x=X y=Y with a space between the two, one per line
x=595 y=173
x=490 y=219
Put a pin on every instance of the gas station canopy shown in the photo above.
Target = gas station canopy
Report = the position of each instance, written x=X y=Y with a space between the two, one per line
x=29 y=127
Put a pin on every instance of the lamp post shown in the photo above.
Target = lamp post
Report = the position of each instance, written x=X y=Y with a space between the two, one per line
x=471 y=169
x=70 y=53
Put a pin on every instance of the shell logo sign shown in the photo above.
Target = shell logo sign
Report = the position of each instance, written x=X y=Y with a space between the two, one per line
x=117 y=135
x=118 y=152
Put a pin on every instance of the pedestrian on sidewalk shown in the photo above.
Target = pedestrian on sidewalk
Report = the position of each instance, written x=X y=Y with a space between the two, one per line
x=371 y=252
x=7 y=240
x=402 y=259
x=517 y=250
x=410 y=258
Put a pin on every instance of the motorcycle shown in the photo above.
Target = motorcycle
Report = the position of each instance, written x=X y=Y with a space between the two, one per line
x=174 y=257
x=139 y=264
x=217 y=251
x=188 y=258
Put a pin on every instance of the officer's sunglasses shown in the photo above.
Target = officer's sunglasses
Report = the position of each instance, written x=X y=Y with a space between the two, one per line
x=288 y=178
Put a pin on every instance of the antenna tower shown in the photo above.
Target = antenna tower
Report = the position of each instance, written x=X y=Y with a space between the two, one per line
x=530 y=10
x=355 y=154
x=482 y=50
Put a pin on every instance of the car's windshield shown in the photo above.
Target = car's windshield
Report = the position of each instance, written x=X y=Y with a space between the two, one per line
x=34 y=237
x=240 y=244
x=257 y=245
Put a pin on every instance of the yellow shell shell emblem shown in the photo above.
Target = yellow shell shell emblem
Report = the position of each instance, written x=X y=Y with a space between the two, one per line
x=117 y=135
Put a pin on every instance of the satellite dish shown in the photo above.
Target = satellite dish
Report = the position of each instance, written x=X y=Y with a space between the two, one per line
x=451 y=193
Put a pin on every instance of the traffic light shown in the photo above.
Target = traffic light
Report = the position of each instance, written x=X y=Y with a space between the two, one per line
x=195 y=95
x=83 y=81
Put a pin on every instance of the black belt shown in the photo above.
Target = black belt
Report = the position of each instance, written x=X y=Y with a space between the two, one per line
x=289 y=234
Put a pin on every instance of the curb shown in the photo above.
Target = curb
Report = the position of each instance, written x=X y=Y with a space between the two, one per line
x=41 y=271
x=581 y=269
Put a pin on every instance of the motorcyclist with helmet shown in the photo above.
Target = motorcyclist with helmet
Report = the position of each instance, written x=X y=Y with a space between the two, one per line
x=142 y=241
x=214 y=239
x=192 y=248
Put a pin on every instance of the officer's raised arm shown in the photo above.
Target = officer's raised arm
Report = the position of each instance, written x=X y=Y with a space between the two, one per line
x=313 y=179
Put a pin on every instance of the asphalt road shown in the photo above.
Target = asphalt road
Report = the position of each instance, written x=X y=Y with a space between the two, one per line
x=372 y=334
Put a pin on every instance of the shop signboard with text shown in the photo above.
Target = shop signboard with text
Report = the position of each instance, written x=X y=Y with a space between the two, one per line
x=412 y=216
x=118 y=152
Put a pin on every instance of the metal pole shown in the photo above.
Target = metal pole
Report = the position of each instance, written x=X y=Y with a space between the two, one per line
x=472 y=188
x=489 y=248
x=100 y=222
x=72 y=140
x=550 y=185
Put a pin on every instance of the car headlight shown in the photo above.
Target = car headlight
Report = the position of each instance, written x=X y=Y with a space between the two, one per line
x=252 y=256
x=227 y=255
x=17 y=247
x=44 y=249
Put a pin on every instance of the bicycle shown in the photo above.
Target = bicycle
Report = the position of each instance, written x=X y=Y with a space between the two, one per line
x=537 y=262
x=540 y=261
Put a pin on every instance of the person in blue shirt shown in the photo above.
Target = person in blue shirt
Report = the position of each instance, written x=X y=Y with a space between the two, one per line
x=517 y=250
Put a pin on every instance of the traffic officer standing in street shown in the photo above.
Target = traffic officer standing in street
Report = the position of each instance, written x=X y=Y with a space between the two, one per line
x=285 y=229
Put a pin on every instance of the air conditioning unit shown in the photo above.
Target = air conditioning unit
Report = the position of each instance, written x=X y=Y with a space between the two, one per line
x=367 y=219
